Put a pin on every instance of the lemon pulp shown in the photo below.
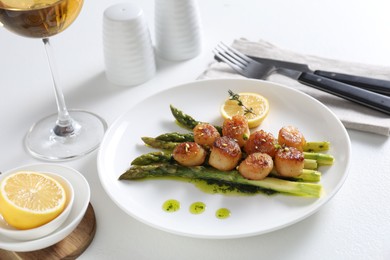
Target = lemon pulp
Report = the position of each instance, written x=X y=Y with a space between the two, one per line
x=30 y=199
x=258 y=104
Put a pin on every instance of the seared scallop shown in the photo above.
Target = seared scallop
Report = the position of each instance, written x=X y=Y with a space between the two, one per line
x=256 y=166
x=225 y=154
x=205 y=134
x=290 y=136
x=289 y=161
x=261 y=141
x=236 y=128
x=189 y=154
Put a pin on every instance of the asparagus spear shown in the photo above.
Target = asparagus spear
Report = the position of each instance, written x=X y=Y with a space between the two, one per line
x=316 y=146
x=159 y=144
x=187 y=121
x=310 y=164
x=176 y=137
x=302 y=189
x=321 y=158
x=307 y=175
x=153 y=157
x=189 y=137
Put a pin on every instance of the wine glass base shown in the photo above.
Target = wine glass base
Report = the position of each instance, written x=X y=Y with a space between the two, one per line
x=42 y=143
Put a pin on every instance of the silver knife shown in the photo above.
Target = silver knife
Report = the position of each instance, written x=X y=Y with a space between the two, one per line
x=372 y=84
x=359 y=95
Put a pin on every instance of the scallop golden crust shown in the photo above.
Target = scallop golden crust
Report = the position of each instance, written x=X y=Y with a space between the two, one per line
x=261 y=141
x=189 y=154
x=290 y=136
x=236 y=128
x=205 y=134
x=225 y=154
x=256 y=166
x=289 y=161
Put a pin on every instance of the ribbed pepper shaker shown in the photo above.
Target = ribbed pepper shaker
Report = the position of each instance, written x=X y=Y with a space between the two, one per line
x=128 y=49
x=177 y=29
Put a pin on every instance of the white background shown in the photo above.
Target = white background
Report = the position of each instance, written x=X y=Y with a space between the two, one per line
x=354 y=225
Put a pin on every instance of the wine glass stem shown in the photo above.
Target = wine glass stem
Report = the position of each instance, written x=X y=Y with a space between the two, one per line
x=64 y=124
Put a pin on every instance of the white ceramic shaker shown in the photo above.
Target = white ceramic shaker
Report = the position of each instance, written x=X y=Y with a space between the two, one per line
x=128 y=50
x=177 y=29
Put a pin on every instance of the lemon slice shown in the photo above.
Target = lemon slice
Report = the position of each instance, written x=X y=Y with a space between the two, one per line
x=30 y=199
x=258 y=104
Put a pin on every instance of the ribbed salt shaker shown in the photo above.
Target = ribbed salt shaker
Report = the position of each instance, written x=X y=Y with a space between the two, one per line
x=128 y=50
x=177 y=29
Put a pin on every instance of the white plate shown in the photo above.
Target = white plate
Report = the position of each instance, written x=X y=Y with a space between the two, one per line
x=80 y=205
x=250 y=215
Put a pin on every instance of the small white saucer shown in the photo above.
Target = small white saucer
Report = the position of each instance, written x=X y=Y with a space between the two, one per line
x=81 y=200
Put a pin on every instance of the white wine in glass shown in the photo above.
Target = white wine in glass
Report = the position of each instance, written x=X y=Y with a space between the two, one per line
x=66 y=134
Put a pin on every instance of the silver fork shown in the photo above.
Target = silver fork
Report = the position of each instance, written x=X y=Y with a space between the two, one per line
x=242 y=63
x=250 y=68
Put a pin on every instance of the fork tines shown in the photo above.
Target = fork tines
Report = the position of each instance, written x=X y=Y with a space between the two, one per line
x=232 y=57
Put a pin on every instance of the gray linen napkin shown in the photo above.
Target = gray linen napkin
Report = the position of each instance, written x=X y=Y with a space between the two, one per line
x=353 y=116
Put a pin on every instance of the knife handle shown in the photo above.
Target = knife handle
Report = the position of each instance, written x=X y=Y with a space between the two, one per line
x=364 y=97
x=376 y=85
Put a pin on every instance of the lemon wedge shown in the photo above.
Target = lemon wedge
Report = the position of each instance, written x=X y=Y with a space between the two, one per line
x=257 y=103
x=30 y=199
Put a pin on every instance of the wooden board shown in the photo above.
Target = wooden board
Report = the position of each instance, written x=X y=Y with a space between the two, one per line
x=69 y=248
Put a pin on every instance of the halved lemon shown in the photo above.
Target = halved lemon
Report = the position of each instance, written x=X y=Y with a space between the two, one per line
x=256 y=103
x=30 y=199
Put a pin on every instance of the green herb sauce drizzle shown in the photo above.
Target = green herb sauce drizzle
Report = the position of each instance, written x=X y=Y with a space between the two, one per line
x=197 y=207
x=171 y=205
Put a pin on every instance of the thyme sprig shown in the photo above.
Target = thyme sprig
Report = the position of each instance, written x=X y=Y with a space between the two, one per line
x=236 y=97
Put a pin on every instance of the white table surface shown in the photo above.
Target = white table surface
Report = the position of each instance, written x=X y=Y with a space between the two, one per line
x=353 y=225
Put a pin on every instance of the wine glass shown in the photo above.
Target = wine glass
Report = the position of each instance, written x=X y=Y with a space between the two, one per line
x=66 y=134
